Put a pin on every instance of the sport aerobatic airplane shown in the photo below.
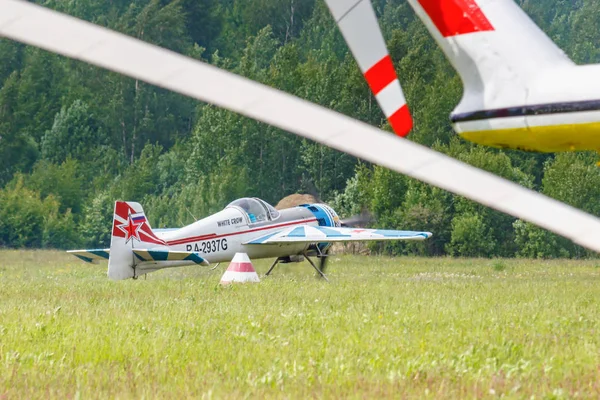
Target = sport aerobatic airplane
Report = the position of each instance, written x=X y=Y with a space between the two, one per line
x=499 y=79
x=247 y=225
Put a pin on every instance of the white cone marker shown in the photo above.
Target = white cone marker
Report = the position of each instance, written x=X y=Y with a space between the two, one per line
x=240 y=270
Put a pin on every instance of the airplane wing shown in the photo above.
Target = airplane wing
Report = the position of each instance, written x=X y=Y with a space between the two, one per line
x=62 y=34
x=95 y=255
x=168 y=255
x=317 y=234
x=92 y=255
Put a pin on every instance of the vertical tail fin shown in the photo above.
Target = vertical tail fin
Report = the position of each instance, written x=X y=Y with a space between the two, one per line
x=130 y=230
x=358 y=24
x=494 y=46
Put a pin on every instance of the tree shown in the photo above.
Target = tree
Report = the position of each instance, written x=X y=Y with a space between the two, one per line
x=427 y=208
x=18 y=149
x=141 y=178
x=11 y=54
x=502 y=235
x=535 y=242
x=574 y=179
x=585 y=45
x=39 y=92
x=74 y=133
x=62 y=181
x=96 y=223
x=28 y=221
x=471 y=237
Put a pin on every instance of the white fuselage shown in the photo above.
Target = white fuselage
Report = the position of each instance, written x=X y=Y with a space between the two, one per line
x=559 y=111
x=218 y=237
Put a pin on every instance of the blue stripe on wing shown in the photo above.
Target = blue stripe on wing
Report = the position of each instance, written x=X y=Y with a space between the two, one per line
x=90 y=255
x=195 y=257
x=167 y=255
x=159 y=255
x=329 y=232
x=297 y=232
x=261 y=239
x=100 y=253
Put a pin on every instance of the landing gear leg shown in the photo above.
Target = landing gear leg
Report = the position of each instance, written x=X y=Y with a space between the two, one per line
x=272 y=266
x=315 y=267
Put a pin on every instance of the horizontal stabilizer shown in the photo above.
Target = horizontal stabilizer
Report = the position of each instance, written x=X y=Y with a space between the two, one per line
x=166 y=255
x=316 y=234
x=91 y=256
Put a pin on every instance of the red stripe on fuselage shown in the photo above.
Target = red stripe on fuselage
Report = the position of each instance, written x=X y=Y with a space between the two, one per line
x=215 y=236
x=456 y=17
x=150 y=238
x=381 y=74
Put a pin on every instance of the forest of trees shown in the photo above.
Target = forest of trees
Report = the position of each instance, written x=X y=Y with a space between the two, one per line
x=75 y=138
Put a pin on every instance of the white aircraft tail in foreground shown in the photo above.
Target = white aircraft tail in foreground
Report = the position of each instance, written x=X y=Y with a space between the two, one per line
x=520 y=90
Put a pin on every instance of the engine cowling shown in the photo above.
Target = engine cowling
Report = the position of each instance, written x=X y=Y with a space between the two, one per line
x=325 y=215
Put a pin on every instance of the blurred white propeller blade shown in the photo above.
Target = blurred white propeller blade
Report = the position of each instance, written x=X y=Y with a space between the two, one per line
x=38 y=26
x=358 y=24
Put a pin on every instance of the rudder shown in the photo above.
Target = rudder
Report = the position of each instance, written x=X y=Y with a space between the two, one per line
x=130 y=230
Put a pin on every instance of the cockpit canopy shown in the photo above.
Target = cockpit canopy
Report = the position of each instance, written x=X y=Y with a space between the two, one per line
x=257 y=209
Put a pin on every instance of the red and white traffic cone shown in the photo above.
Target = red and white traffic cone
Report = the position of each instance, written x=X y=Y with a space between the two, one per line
x=240 y=270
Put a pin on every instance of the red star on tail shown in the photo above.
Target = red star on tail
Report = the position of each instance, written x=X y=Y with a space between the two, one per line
x=131 y=229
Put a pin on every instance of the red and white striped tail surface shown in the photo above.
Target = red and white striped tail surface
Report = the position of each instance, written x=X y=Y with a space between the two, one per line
x=240 y=270
x=358 y=24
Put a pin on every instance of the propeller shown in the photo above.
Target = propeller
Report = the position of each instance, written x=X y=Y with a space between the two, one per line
x=358 y=220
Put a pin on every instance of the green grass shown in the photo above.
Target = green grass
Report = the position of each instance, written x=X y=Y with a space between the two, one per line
x=383 y=327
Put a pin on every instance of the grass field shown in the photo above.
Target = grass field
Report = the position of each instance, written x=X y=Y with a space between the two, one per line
x=383 y=327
